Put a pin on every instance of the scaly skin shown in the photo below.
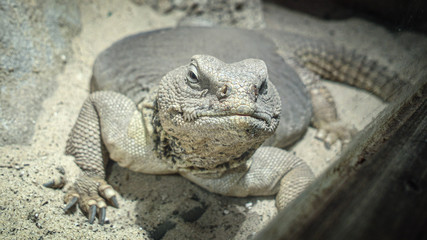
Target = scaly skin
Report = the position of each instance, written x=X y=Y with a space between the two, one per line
x=207 y=119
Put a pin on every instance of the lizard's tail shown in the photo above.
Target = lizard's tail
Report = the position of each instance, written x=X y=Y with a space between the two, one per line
x=341 y=65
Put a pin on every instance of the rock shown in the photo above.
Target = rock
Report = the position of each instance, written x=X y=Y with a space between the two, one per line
x=35 y=39
x=237 y=13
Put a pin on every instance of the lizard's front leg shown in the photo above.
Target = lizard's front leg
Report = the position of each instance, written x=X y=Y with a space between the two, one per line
x=273 y=171
x=102 y=130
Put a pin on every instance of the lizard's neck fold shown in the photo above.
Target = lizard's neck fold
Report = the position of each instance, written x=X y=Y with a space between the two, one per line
x=205 y=159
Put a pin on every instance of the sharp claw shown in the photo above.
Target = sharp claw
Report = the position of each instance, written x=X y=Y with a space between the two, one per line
x=55 y=183
x=92 y=213
x=49 y=184
x=71 y=203
x=114 y=201
x=102 y=213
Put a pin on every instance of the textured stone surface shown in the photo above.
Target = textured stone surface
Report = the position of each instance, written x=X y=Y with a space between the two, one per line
x=238 y=13
x=34 y=46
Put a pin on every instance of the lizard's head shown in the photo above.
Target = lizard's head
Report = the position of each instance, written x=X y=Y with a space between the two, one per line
x=212 y=108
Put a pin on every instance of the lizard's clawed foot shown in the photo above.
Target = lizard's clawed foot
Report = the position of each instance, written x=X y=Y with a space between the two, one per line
x=90 y=194
x=331 y=132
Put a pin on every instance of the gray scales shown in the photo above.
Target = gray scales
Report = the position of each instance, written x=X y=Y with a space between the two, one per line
x=205 y=103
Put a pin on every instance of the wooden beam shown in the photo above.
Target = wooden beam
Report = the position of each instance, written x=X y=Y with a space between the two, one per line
x=376 y=190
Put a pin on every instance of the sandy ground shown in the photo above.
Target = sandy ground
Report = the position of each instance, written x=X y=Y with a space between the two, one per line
x=167 y=205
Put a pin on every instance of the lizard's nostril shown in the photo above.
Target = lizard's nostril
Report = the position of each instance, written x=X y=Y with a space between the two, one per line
x=253 y=93
x=224 y=91
x=255 y=90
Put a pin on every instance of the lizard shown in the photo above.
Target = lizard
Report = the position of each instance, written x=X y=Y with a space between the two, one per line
x=205 y=103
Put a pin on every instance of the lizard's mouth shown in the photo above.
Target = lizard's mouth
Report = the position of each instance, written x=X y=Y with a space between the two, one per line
x=264 y=117
x=261 y=116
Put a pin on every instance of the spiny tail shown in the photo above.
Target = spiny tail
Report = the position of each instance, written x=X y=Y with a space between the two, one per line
x=341 y=65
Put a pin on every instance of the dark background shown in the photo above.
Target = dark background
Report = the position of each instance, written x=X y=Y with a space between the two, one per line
x=397 y=15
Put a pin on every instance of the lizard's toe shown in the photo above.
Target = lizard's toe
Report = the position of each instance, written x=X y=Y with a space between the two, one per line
x=114 y=201
x=92 y=213
x=57 y=182
x=72 y=200
x=331 y=132
x=109 y=193
x=102 y=214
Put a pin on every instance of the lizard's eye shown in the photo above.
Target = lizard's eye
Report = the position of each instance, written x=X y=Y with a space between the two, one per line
x=192 y=75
